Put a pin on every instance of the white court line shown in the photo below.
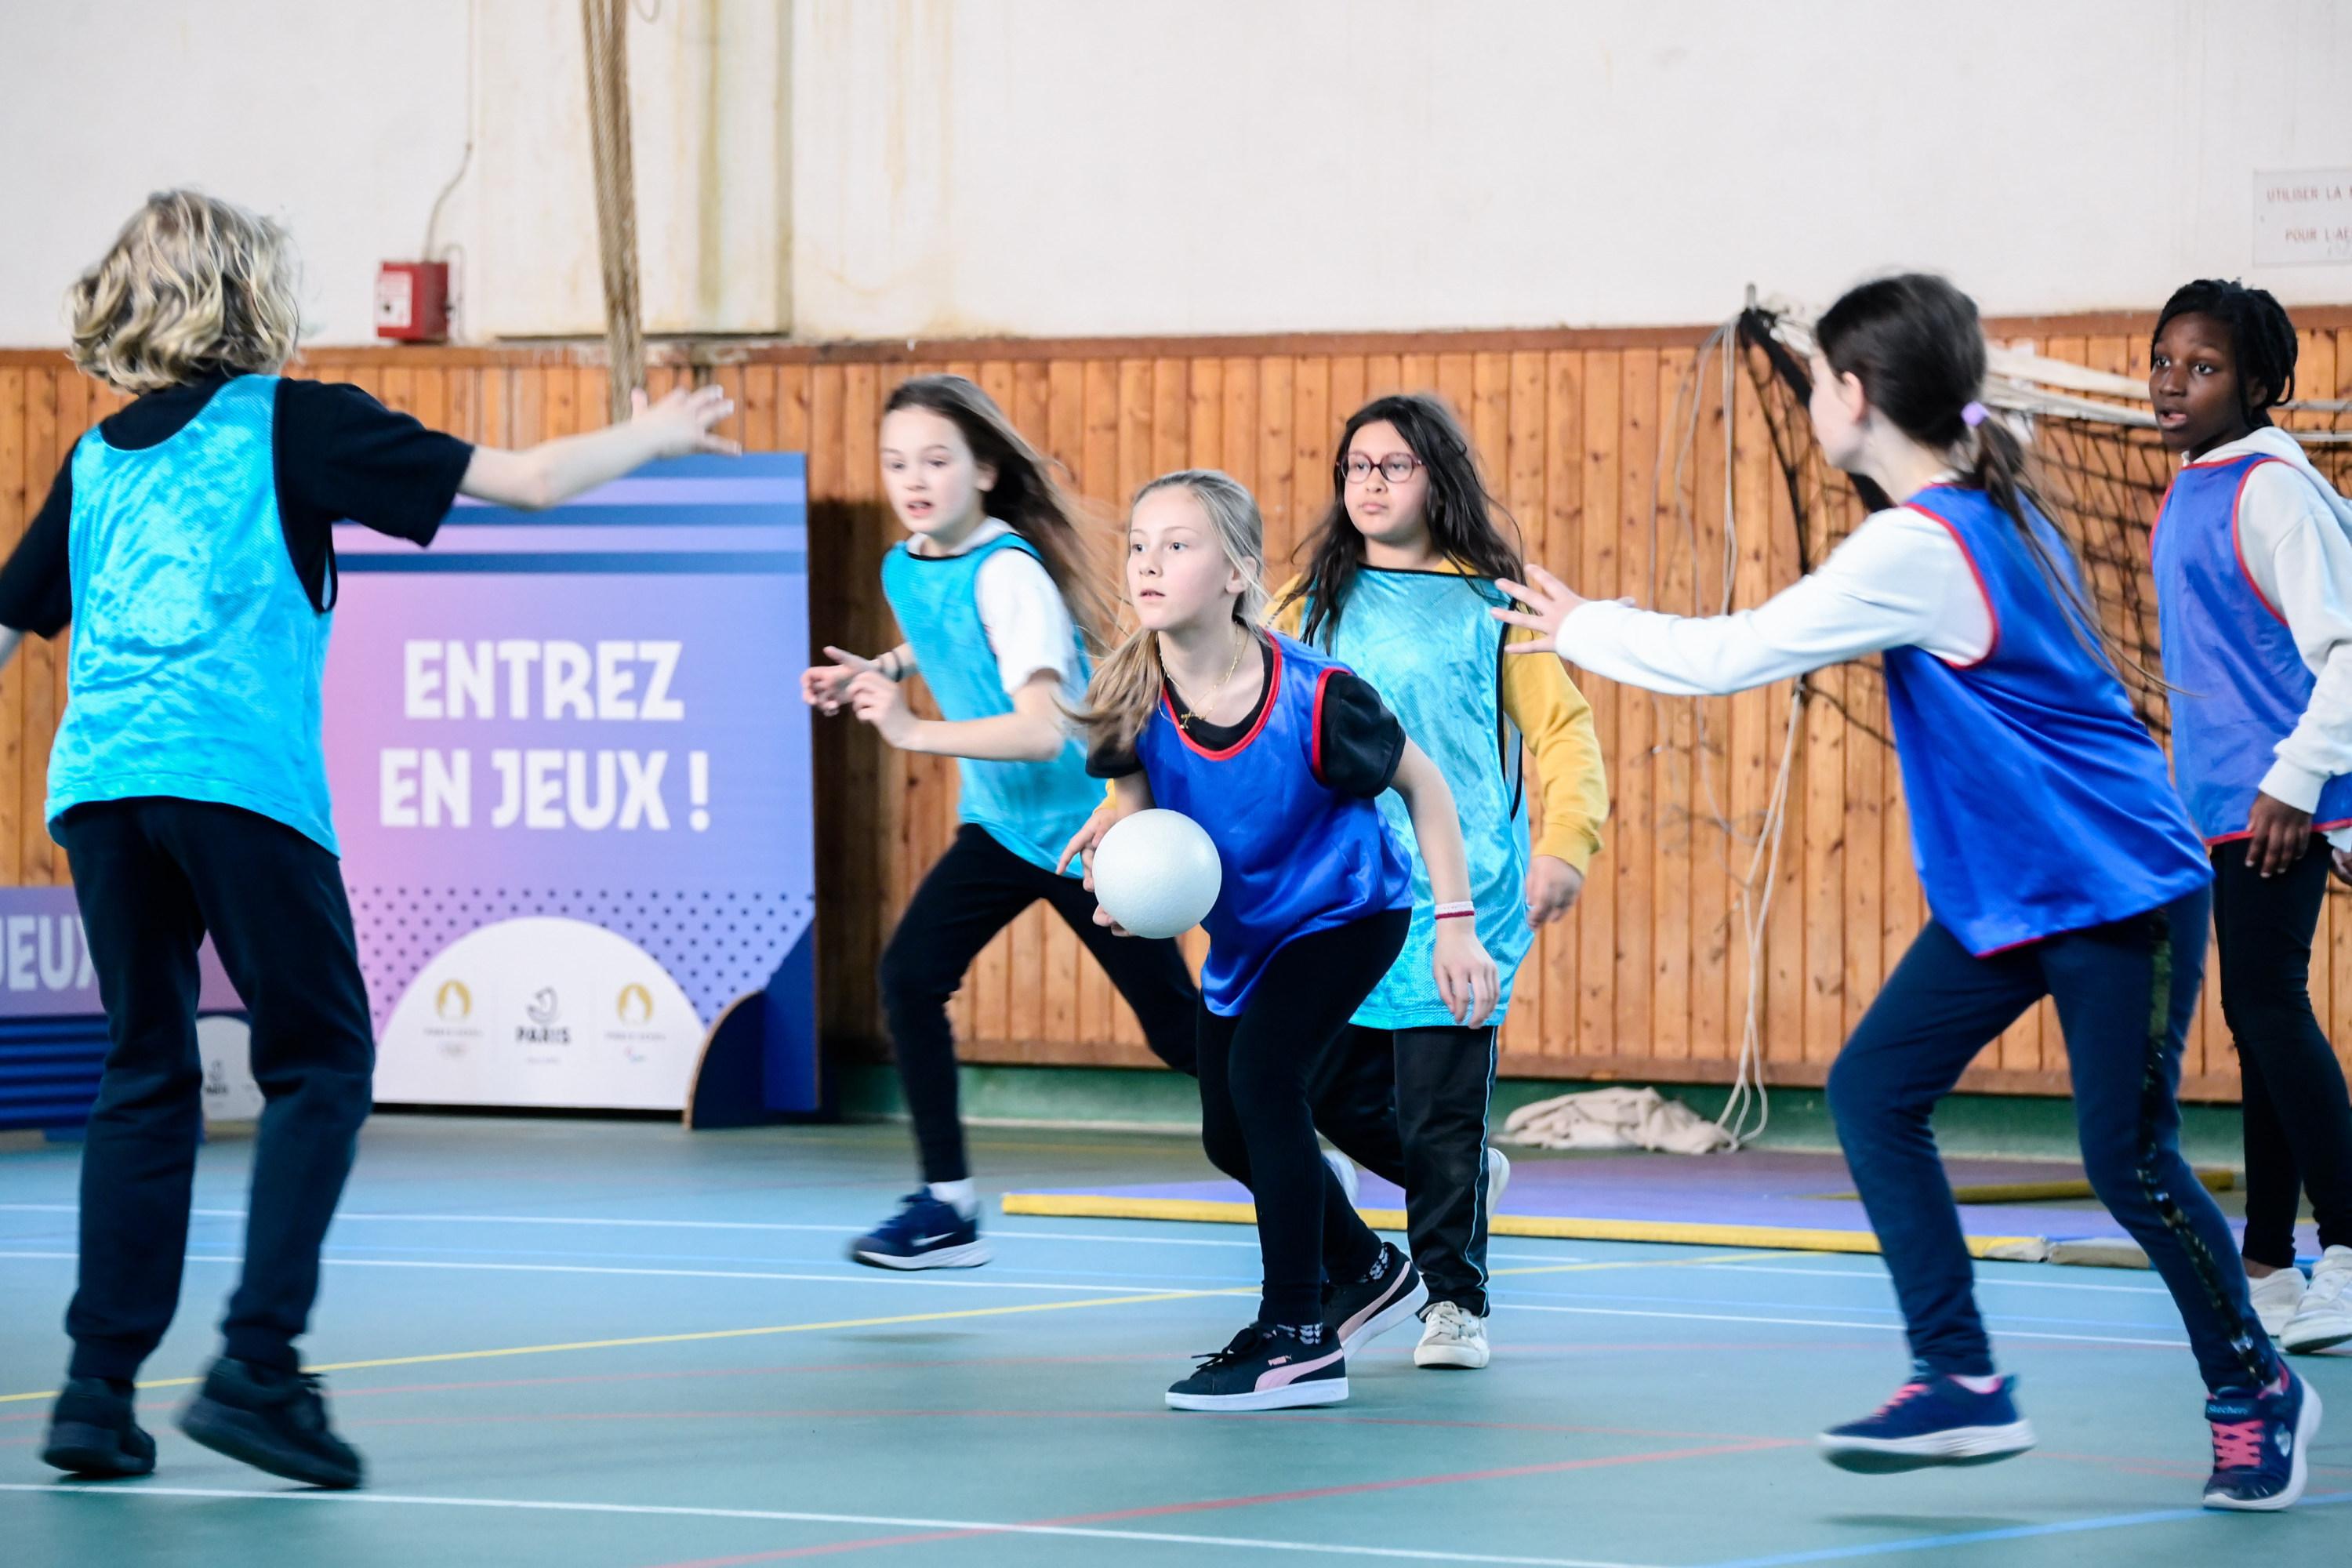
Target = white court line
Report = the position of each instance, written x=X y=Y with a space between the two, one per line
x=870 y=1277
x=1999 y=1334
x=879 y=1277
x=977 y=1527
x=999 y=1233
x=1982 y=1281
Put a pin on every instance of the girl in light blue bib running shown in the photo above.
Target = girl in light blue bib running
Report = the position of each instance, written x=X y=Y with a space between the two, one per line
x=991 y=591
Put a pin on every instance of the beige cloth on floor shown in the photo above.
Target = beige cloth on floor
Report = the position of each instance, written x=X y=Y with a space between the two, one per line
x=1615 y=1118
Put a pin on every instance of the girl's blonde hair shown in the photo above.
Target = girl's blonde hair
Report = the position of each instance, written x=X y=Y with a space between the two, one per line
x=1025 y=495
x=191 y=285
x=1126 y=686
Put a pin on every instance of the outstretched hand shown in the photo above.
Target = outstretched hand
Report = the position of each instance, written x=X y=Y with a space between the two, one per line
x=1548 y=602
x=682 y=422
x=827 y=687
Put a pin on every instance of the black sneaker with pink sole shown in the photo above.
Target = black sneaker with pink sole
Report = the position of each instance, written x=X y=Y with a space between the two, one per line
x=1266 y=1367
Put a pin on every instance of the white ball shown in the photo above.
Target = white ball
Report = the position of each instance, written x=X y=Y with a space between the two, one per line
x=1157 y=874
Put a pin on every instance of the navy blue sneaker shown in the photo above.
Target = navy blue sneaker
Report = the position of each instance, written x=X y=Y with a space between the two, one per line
x=924 y=1234
x=272 y=1419
x=1267 y=1368
x=2261 y=1445
x=1932 y=1420
x=92 y=1433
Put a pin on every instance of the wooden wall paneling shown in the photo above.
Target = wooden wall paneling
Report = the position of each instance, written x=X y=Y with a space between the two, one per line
x=1601 y=383
x=1785 y=986
x=1579 y=433
x=1518 y=483
x=1551 y=987
x=40 y=661
x=1750 y=752
x=1101 y=477
x=1314 y=430
x=1637 y=712
x=1048 y=406
x=1715 y=994
x=1675 y=720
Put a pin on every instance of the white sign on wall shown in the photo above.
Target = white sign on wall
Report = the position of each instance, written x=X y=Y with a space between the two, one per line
x=225 y=1046
x=2303 y=216
x=541 y=1011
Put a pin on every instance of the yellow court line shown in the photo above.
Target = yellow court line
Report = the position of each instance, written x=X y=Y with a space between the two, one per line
x=706 y=1334
x=2215 y=1179
x=1677 y=1233
x=1641 y=1263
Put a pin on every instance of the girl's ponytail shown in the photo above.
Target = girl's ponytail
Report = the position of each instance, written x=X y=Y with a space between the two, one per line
x=1917 y=346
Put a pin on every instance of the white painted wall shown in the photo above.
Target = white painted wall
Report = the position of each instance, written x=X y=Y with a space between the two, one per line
x=893 y=168
x=320 y=115
x=1050 y=167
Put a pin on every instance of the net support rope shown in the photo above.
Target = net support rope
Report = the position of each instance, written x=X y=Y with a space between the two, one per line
x=607 y=26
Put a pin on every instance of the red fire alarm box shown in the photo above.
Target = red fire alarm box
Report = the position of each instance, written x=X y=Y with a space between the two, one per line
x=412 y=301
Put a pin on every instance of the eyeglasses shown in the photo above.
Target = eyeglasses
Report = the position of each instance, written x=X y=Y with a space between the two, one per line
x=1396 y=468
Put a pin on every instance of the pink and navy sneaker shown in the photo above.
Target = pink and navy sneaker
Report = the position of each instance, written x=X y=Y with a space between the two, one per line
x=1933 y=1419
x=1356 y=1312
x=1268 y=1366
x=2261 y=1443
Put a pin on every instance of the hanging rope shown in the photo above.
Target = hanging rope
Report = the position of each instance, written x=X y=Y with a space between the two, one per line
x=606 y=24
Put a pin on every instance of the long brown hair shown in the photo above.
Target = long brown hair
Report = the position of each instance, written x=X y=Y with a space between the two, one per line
x=1917 y=346
x=1126 y=685
x=1025 y=496
x=1461 y=513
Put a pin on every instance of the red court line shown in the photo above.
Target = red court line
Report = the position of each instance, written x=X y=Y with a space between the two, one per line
x=1261 y=1499
x=559 y=1417
x=1509 y=1472
x=872 y=1364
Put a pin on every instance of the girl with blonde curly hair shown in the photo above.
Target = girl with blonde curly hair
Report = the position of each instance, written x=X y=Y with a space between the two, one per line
x=188 y=540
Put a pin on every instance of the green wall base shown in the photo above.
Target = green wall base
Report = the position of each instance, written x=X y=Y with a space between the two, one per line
x=1972 y=1126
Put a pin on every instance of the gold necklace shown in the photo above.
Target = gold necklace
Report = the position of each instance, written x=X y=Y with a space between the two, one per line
x=1184 y=719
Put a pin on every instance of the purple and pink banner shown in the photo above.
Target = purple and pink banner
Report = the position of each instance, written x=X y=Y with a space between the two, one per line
x=581 y=719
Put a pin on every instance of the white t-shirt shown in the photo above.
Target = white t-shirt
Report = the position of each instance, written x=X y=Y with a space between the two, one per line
x=1028 y=625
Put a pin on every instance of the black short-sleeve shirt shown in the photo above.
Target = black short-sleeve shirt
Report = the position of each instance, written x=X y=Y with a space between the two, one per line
x=340 y=456
x=1361 y=741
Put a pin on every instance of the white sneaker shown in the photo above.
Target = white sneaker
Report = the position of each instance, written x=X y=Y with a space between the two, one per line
x=2277 y=1296
x=2324 y=1317
x=1451 y=1337
x=1344 y=1169
x=1498 y=1177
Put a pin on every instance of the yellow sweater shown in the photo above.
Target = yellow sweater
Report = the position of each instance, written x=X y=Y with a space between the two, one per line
x=1556 y=719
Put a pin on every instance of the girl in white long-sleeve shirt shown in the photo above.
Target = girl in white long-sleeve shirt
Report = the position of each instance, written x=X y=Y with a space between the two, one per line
x=2006 y=708
x=2253 y=575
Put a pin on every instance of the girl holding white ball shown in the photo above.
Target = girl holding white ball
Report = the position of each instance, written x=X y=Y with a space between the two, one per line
x=984 y=590
x=1278 y=752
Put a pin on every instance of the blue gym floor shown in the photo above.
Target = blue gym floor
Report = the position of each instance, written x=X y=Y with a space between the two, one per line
x=614 y=1343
